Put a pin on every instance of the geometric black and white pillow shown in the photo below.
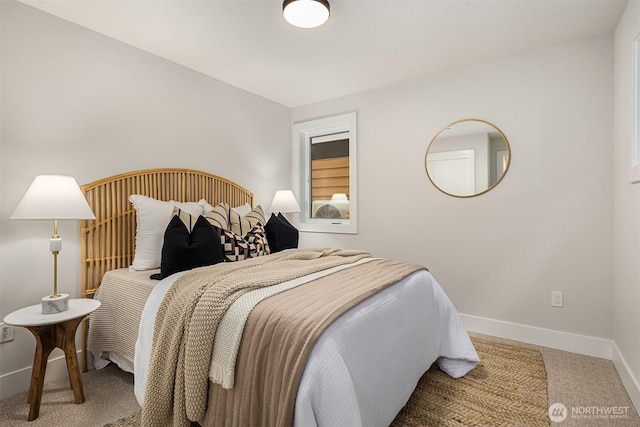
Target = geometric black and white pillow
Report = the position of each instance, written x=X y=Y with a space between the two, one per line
x=251 y=245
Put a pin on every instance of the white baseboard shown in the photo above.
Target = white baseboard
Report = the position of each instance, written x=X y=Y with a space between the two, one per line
x=582 y=344
x=575 y=343
x=19 y=381
x=631 y=383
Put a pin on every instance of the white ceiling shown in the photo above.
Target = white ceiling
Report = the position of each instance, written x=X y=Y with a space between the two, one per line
x=365 y=45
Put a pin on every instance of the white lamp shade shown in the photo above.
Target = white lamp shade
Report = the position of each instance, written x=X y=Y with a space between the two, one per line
x=284 y=201
x=306 y=13
x=53 y=197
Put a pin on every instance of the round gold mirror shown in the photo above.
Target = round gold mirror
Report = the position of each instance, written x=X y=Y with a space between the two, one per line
x=467 y=158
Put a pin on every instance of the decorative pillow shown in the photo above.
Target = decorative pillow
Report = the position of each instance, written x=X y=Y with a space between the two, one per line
x=152 y=218
x=188 y=220
x=242 y=224
x=189 y=242
x=243 y=210
x=281 y=234
x=253 y=244
x=218 y=216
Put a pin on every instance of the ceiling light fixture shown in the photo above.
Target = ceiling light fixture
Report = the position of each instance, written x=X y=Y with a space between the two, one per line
x=306 y=13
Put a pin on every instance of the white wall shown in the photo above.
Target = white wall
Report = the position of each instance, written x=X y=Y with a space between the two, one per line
x=78 y=103
x=626 y=296
x=547 y=226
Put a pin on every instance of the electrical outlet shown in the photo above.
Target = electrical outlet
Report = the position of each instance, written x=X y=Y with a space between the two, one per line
x=556 y=299
x=6 y=333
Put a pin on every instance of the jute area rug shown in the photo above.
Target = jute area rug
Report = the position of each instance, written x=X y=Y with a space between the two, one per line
x=508 y=388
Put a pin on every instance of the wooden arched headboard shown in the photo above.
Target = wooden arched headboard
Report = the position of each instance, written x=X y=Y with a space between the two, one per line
x=108 y=242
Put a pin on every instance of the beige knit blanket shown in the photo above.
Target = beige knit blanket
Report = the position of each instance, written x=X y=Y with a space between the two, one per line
x=188 y=318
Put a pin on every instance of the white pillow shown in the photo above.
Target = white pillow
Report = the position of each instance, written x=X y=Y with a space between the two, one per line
x=242 y=210
x=152 y=219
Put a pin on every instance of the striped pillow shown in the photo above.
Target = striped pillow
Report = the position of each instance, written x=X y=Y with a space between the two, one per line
x=187 y=219
x=241 y=225
x=219 y=216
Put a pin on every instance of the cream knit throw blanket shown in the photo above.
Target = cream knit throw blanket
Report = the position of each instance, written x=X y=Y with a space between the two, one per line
x=188 y=317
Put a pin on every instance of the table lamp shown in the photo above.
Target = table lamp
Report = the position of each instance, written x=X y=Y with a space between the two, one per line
x=285 y=202
x=281 y=234
x=54 y=197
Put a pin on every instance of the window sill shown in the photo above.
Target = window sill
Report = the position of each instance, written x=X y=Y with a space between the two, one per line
x=328 y=227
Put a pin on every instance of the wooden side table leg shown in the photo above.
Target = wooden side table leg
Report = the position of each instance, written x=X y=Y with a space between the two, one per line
x=67 y=342
x=45 y=343
x=85 y=331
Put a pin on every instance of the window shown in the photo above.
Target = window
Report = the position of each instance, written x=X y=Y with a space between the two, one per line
x=635 y=150
x=324 y=173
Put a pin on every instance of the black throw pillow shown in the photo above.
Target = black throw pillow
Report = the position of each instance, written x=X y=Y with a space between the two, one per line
x=183 y=250
x=281 y=234
x=291 y=236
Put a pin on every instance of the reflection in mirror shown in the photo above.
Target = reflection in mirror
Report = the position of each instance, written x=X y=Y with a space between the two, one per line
x=467 y=158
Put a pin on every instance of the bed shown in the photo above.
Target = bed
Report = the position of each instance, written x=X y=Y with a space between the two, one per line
x=384 y=322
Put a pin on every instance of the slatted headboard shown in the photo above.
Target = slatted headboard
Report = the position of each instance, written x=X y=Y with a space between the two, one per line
x=108 y=242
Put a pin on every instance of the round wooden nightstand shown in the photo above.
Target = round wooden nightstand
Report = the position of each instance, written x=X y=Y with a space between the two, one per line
x=51 y=331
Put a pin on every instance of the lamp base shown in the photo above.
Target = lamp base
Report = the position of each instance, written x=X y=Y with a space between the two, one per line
x=55 y=304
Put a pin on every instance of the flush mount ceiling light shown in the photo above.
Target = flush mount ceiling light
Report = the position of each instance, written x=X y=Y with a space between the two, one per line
x=306 y=13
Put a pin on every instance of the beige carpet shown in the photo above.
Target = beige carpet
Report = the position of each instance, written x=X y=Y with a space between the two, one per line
x=108 y=396
x=576 y=381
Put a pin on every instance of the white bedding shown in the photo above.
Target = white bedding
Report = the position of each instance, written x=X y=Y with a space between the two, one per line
x=362 y=372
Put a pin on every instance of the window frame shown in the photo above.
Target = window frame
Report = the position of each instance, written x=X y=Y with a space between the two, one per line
x=635 y=139
x=301 y=135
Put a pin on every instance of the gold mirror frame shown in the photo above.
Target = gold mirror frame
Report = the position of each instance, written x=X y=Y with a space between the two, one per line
x=491 y=130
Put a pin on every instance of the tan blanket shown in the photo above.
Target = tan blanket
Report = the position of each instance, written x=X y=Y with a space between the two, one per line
x=279 y=336
x=114 y=325
x=231 y=327
x=188 y=317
